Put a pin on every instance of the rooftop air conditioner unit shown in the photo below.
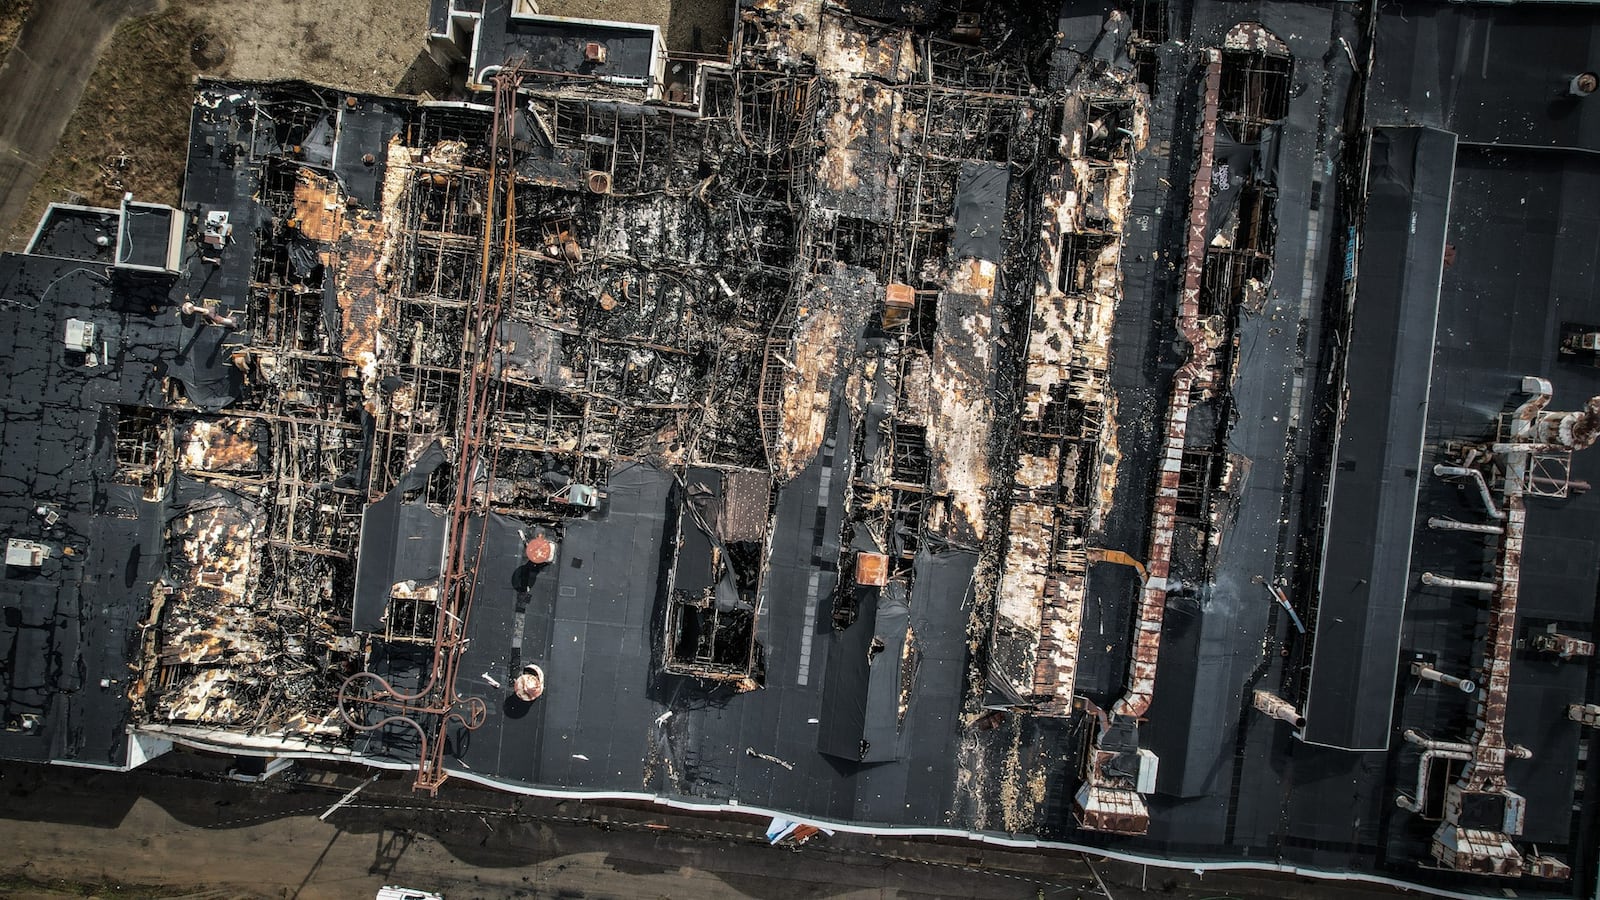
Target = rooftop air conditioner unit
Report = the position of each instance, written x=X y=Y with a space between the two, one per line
x=80 y=335
x=218 y=229
x=26 y=554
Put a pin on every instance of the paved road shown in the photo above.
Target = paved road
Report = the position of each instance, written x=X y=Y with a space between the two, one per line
x=41 y=82
x=234 y=840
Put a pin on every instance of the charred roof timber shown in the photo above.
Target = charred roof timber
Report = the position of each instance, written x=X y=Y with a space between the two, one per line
x=965 y=417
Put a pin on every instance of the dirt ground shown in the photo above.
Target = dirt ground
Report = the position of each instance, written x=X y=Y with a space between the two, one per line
x=12 y=12
x=41 y=81
x=364 y=45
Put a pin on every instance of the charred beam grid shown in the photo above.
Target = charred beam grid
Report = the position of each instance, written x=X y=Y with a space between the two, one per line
x=435 y=706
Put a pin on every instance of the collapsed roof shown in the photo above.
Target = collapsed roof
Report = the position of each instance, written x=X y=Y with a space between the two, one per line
x=977 y=420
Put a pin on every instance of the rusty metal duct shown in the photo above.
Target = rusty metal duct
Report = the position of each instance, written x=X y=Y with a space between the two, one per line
x=1107 y=801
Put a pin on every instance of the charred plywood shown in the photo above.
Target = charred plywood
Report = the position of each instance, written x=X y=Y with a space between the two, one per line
x=357 y=248
x=228 y=445
x=838 y=305
x=780 y=32
x=961 y=379
x=855 y=171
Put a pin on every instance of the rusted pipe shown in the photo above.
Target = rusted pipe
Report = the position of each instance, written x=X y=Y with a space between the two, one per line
x=1585 y=713
x=1452 y=525
x=1421 y=740
x=1432 y=580
x=1445 y=471
x=1563 y=645
x=1429 y=673
x=190 y=308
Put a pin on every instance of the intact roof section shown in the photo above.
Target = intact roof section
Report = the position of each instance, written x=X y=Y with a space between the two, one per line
x=76 y=232
x=1491 y=73
x=67 y=625
x=556 y=45
x=1524 y=264
x=1377 y=460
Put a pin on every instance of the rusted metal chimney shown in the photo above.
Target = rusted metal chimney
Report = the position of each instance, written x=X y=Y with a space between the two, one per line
x=539 y=550
x=1563 y=645
x=1583 y=84
x=529 y=686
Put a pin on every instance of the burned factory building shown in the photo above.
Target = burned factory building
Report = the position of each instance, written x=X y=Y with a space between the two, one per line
x=1150 y=427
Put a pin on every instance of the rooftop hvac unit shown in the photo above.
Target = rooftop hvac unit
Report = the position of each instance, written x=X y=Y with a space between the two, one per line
x=218 y=229
x=574 y=494
x=26 y=554
x=80 y=335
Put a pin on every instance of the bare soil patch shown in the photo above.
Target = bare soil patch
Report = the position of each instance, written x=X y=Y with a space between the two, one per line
x=12 y=14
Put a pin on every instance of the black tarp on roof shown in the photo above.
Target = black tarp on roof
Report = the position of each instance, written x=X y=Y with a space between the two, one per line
x=1373 y=495
x=66 y=627
x=145 y=236
x=75 y=233
x=400 y=541
x=980 y=211
x=866 y=665
x=365 y=130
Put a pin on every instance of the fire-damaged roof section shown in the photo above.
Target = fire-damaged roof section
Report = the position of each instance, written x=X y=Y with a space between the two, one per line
x=922 y=418
x=401 y=546
x=1378 y=458
x=871 y=665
